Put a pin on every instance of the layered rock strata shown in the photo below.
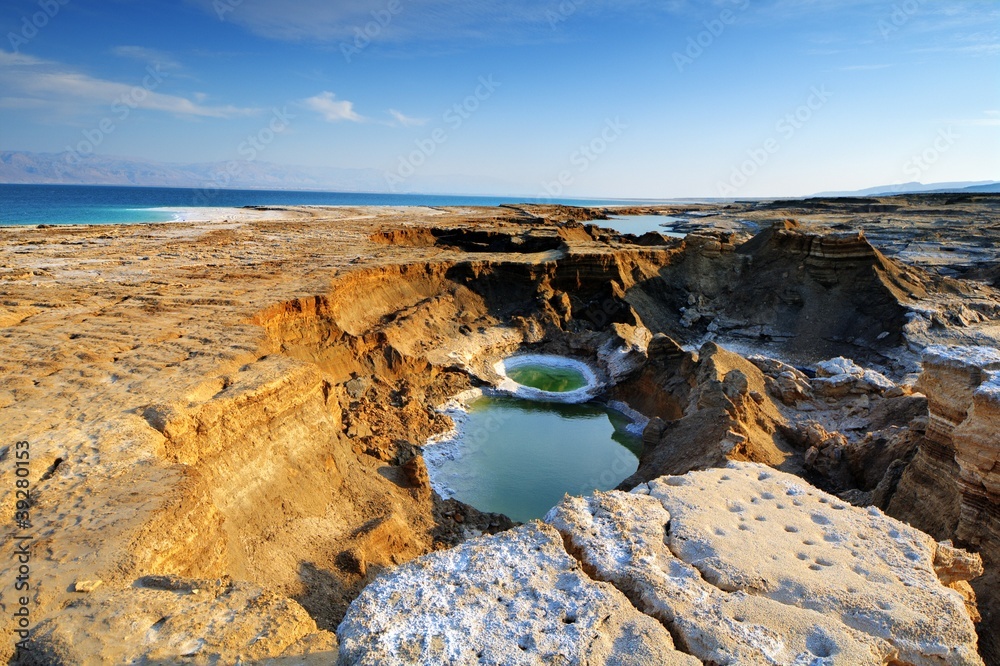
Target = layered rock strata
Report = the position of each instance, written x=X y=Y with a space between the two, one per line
x=952 y=487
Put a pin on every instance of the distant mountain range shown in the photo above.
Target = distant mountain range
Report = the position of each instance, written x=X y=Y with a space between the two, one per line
x=27 y=168
x=54 y=169
x=984 y=186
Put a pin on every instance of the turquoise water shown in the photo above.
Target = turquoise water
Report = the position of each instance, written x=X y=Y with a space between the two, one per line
x=642 y=224
x=84 y=204
x=547 y=377
x=519 y=457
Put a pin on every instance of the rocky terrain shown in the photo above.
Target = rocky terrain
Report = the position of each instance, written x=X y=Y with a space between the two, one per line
x=225 y=422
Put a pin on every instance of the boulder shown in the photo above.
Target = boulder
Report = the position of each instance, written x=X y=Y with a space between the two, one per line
x=514 y=598
x=841 y=376
x=738 y=565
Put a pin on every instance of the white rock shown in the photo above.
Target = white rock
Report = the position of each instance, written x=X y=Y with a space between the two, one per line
x=744 y=565
x=621 y=538
x=515 y=598
x=841 y=376
x=751 y=528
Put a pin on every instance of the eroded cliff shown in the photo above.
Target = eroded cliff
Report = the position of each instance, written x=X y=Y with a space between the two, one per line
x=246 y=402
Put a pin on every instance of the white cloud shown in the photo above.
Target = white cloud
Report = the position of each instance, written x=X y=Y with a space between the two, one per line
x=332 y=109
x=406 y=121
x=11 y=59
x=57 y=87
x=147 y=55
x=863 y=68
x=424 y=20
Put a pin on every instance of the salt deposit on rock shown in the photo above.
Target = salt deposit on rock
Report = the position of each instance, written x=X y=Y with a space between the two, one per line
x=744 y=565
x=516 y=598
x=842 y=376
x=509 y=386
x=772 y=535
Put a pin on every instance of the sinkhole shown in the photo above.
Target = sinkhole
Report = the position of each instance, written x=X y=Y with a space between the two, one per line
x=517 y=450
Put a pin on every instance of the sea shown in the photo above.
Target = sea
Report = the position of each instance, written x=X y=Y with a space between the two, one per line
x=98 y=204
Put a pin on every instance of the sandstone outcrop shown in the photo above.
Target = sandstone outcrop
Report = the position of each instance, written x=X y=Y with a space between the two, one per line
x=952 y=486
x=165 y=619
x=723 y=411
x=743 y=565
x=247 y=398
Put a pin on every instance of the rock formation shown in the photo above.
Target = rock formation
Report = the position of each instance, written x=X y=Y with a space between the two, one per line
x=951 y=489
x=743 y=565
x=164 y=619
x=244 y=401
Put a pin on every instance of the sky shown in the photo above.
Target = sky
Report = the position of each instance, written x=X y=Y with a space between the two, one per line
x=550 y=98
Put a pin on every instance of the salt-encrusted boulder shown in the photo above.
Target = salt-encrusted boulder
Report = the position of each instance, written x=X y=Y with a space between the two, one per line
x=624 y=538
x=841 y=376
x=514 y=598
x=743 y=565
x=770 y=534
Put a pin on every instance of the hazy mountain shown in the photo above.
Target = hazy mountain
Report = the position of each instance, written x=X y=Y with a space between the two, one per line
x=52 y=169
x=28 y=168
x=918 y=188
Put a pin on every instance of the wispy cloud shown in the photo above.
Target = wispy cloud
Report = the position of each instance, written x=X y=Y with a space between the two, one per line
x=333 y=110
x=406 y=121
x=863 y=68
x=991 y=119
x=33 y=81
x=420 y=20
x=147 y=55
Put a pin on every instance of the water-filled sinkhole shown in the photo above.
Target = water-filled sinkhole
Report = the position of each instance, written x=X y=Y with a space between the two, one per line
x=519 y=456
x=547 y=377
x=641 y=224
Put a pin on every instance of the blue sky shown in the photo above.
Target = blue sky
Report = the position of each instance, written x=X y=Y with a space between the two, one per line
x=577 y=97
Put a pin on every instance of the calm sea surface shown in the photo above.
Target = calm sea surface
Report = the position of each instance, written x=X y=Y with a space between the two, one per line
x=82 y=204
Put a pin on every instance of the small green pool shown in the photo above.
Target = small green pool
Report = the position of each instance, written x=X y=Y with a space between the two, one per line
x=547 y=377
x=519 y=457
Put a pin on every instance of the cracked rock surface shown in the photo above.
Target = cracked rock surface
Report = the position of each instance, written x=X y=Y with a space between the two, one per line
x=741 y=565
x=516 y=598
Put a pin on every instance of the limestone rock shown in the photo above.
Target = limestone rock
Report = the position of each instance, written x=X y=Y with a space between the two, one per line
x=514 y=598
x=87 y=585
x=165 y=619
x=620 y=537
x=770 y=534
x=743 y=565
x=841 y=376
x=952 y=486
x=625 y=352
x=720 y=420
x=783 y=381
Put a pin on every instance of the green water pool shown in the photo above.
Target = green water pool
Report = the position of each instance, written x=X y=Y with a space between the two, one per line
x=547 y=377
x=519 y=457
